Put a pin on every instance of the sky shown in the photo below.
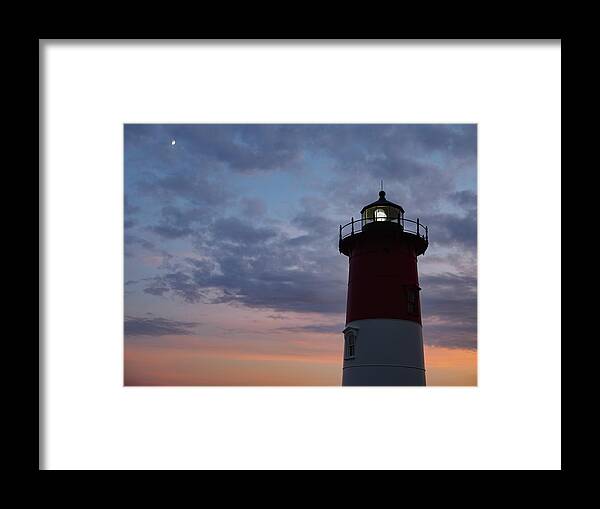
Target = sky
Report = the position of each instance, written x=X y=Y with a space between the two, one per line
x=232 y=269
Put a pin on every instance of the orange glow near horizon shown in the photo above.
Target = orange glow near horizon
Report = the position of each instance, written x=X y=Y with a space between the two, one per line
x=312 y=361
x=450 y=366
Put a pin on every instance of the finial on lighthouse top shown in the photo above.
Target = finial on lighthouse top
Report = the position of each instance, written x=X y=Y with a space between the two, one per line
x=383 y=202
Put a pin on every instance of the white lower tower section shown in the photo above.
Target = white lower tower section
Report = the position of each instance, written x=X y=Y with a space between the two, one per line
x=383 y=351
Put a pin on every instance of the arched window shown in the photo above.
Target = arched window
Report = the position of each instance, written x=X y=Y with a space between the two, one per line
x=413 y=301
x=350 y=344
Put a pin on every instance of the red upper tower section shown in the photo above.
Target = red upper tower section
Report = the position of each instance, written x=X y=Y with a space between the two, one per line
x=382 y=247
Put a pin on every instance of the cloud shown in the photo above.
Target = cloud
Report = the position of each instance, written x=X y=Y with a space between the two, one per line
x=189 y=184
x=179 y=284
x=258 y=267
x=135 y=326
x=451 y=229
x=132 y=240
x=239 y=231
x=315 y=328
x=466 y=198
x=176 y=222
x=449 y=308
x=170 y=231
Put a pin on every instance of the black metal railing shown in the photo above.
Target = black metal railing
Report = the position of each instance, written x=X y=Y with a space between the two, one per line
x=408 y=225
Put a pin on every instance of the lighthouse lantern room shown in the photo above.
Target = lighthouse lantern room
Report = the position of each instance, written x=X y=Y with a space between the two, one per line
x=383 y=340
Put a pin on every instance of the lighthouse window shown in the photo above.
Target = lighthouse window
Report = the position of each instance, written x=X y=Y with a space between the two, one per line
x=413 y=301
x=349 y=345
x=380 y=215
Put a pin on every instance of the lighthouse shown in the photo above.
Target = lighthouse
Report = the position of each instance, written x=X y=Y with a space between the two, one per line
x=383 y=339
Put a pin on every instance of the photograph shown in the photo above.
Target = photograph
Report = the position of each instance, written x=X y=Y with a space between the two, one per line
x=300 y=254
x=290 y=254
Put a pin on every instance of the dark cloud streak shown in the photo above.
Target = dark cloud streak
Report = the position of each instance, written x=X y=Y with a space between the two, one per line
x=135 y=326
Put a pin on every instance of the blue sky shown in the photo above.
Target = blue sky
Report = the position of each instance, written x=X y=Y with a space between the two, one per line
x=231 y=241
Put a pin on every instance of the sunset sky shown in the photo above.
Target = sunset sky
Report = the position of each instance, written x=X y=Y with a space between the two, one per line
x=232 y=270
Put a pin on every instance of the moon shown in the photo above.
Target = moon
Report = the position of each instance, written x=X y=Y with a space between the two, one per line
x=173 y=143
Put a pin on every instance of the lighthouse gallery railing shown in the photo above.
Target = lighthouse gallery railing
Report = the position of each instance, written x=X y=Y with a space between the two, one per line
x=408 y=225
